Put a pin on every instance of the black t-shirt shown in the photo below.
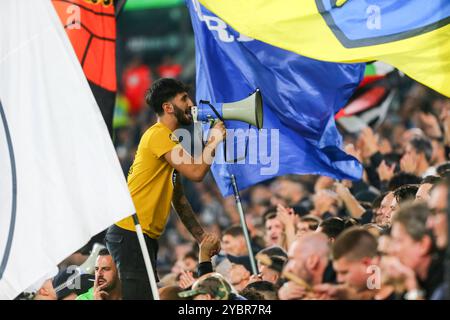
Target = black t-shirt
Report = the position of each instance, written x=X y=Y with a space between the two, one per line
x=329 y=275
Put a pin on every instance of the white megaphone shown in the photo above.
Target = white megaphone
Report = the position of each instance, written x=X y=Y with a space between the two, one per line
x=248 y=110
x=88 y=267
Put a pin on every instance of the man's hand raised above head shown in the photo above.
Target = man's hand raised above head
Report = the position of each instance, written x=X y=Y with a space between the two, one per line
x=369 y=142
x=385 y=172
x=408 y=163
x=286 y=215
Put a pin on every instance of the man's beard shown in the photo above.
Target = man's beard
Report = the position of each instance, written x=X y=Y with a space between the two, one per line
x=183 y=118
x=111 y=285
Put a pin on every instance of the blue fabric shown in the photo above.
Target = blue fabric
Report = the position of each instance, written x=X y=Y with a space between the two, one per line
x=300 y=99
x=396 y=18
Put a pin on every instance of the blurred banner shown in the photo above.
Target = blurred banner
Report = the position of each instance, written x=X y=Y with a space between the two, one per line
x=411 y=35
x=300 y=99
x=371 y=102
x=150 y=4
x=91 y=27
x=168 y=34
x=61 y=182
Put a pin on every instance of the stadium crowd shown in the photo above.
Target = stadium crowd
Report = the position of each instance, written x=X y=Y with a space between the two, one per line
x=382 y=238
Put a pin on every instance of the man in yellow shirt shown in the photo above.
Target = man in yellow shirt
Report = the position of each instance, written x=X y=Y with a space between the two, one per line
x=154 y=184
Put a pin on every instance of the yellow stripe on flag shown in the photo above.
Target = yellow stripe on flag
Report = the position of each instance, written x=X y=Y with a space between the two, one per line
x=299 y=27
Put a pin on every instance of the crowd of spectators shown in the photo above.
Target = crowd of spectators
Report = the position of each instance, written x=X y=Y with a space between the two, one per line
x=383 y=237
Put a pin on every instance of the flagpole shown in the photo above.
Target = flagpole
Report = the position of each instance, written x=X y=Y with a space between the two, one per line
x=146 y=256
x=244 y=224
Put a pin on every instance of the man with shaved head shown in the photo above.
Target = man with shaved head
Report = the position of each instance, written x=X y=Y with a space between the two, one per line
x=354 y=252
x=308 y=259
x=356 y=262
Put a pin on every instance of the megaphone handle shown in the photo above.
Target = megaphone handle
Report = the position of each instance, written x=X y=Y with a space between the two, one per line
x=213 y=109
x=211 y=124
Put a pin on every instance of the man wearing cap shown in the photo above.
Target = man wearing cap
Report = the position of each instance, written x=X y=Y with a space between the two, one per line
x=69 y=285
x=212 y=286
x=42 y=289
x=271 y=273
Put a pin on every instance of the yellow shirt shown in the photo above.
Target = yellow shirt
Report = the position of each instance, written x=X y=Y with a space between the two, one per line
x=150 y=181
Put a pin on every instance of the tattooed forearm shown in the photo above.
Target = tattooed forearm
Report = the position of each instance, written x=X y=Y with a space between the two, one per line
x=185 y=212
x=187 y=216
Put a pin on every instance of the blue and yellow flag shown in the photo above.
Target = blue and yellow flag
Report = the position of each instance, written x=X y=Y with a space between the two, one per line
x=412 y=35
x=300 y=98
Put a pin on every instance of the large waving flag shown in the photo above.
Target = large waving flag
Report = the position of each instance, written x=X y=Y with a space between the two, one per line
x=411 y=35
x=60 y=179
x=300 y=96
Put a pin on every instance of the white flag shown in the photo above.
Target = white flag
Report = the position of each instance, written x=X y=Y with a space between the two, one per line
x=60 y=179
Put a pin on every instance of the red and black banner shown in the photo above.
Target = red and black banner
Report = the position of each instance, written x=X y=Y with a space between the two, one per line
x=91 y=27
